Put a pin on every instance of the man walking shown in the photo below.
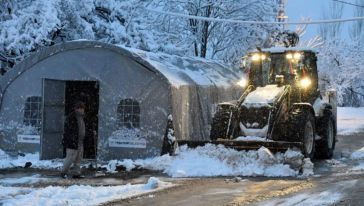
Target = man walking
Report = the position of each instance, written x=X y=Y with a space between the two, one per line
x=74 y=135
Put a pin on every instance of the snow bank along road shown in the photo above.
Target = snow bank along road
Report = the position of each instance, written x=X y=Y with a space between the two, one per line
x=239 y=178
x=339 y=181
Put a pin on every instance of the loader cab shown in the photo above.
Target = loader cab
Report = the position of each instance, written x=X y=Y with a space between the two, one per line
x=287 y=66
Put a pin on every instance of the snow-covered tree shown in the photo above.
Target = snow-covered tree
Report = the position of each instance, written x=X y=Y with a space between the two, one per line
x=217 y=40
x=26 y=25
x=357 y=29
x=334 y=11
x=342 y=68
x=341 y=61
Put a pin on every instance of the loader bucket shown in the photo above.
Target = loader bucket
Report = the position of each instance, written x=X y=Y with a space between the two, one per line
x=274 y=146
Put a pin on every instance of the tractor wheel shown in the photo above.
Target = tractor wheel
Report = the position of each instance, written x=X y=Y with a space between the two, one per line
x=305 y=123
x=326 y=146
x=221 y=121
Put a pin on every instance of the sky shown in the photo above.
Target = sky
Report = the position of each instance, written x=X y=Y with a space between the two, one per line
x=296 y=9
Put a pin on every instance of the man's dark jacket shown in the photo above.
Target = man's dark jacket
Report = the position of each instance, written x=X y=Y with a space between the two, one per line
x=70 y=136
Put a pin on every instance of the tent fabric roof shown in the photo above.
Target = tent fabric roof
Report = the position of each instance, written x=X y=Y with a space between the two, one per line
x=190 y=70
x=175 y=69
x=46 y=52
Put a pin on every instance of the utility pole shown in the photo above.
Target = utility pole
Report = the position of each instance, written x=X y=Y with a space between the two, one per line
x=281 y=16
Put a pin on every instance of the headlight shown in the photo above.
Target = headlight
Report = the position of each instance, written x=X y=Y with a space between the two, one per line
x=255 y=57
x=258 y=56
x=305 y=82
x=242 y=82
x=297 y=56
x=289 y=56
x=262 y=57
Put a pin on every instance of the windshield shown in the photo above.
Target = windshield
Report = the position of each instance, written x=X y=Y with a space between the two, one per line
x=264 y=71
x=281 y=65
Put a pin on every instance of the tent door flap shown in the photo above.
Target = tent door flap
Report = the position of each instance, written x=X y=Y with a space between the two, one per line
x=53 y=104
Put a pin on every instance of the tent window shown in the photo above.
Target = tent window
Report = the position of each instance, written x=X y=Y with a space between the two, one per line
x=128 y=113
x=32 y=111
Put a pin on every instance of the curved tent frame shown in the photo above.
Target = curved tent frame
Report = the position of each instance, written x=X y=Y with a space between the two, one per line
x=20 y=68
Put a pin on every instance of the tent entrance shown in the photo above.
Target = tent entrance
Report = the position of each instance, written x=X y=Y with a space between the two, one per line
x=58 y=99
x=87 y=92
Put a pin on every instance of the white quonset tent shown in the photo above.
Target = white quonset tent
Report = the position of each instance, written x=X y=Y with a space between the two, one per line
x=129 y=96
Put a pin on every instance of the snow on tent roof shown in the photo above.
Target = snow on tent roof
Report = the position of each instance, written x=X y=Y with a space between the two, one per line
x=190 y=70
x=284 y=49
x=177 y=70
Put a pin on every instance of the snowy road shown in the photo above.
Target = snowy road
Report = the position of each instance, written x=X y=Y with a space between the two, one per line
x=336 y=182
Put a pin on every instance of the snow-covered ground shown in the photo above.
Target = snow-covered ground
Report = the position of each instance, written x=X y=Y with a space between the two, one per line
x=212 y=160
x=358 y=156
x=8 y=162
x=350 y=120
x=209 y=160
x=73 y=195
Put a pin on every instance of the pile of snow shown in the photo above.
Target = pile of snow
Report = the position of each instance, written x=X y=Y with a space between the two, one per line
x=350 y=120
x=9 y=162
x=263 y=96
x=307 y=168
x=3 y=155
x=360 y=166
x=76 y=194
x=209 y=160
x=335 y=163
x=112 y=164
x=216 y=160
x=153 y=183
x=358 y=154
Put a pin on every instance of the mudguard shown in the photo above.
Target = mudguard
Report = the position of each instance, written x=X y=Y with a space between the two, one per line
x=303 y=106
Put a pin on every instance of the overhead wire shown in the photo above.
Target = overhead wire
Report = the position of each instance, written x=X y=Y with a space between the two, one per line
x=237 y=21
x=349 y=3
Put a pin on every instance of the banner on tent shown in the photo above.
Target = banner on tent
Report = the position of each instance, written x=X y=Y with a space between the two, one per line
x=33 y=139
x=127 y=143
